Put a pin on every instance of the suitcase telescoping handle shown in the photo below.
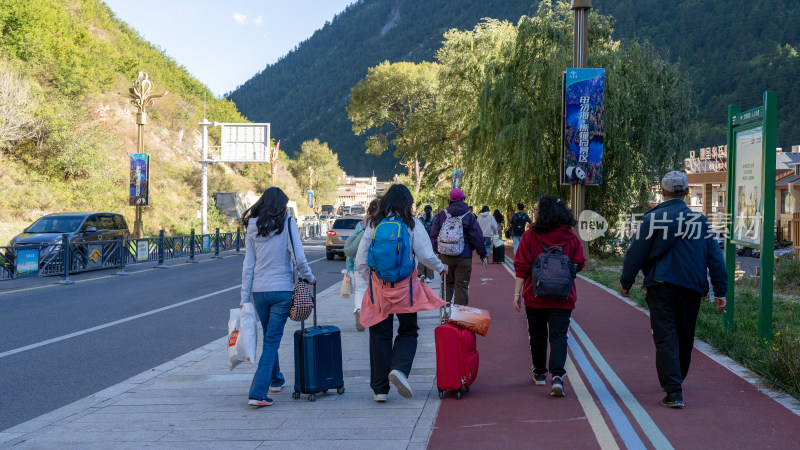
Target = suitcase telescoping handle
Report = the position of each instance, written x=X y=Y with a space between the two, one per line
x=313 y=305
x=444 y=311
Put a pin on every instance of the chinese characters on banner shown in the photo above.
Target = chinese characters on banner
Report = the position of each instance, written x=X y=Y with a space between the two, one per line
x=582 y=127
x=140 y=177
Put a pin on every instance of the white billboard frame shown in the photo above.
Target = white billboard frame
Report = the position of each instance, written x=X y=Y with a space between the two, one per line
x=244 y=143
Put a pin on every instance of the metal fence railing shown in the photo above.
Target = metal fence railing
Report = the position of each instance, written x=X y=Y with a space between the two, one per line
x=68 y=257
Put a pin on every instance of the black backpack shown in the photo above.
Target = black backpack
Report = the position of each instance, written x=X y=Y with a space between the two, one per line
x=518 y=224
x=553 y=273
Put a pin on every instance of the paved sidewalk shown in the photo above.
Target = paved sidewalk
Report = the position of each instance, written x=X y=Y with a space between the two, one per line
x=196 y=402
x=612 y=394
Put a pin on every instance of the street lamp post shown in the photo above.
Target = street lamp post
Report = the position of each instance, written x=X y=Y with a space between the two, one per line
x=141 y=97
x=580 y=47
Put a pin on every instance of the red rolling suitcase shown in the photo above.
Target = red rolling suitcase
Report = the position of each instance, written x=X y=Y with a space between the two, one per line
x=456 y=356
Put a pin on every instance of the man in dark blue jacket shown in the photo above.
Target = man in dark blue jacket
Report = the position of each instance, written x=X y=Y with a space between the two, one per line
x=675 y=250
x=459 y=267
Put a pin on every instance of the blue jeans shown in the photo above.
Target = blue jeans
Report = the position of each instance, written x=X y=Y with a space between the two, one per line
x=516 y=243
x=273 y=310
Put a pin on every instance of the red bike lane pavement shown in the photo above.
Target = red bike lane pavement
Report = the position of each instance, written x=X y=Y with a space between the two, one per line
x=612 y=398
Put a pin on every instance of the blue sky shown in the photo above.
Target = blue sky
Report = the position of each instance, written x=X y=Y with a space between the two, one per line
x=224 y=43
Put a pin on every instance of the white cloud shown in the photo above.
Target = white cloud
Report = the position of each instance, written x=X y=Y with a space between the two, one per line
x=258 y=20
x=241 y=19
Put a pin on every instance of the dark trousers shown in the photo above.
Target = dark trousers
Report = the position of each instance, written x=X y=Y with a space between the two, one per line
x=385 y=357
x=552 y=324
x=459 y=271
x=673 y=316
x=424 y=271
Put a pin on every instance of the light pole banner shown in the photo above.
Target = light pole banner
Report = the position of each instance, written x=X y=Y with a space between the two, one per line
x=582 y=126
x=140 y=178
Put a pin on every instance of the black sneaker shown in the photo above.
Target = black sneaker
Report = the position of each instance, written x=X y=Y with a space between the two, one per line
x=540 y=380
x=673 y=400
x=558 y=387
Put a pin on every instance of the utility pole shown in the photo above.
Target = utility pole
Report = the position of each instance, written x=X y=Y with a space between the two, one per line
x=274 y=162
x=204 y=207
x=141 y=98
x=580 y=47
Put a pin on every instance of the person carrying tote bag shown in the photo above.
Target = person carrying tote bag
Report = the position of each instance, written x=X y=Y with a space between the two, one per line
x=273 y=244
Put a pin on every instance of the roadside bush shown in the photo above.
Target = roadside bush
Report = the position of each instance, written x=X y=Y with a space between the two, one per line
x=787 y=274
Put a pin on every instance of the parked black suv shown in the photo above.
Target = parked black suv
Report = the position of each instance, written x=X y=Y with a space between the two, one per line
x=46 y=233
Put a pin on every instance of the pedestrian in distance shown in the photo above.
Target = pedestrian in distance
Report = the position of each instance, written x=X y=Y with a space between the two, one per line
x=268 y=274
x=488 y=226
x=518 y=224
x=357 y=287
x=501 y=222
x=675 y=249
x=455 y=235
x=425 y=273
x=548 y=318
x=393 y=242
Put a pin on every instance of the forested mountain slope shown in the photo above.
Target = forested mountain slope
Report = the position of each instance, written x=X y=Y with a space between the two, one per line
x=304 y=95
x=733 y=50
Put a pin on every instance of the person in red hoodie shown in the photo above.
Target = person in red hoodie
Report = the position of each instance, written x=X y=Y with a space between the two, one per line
x=547 y=318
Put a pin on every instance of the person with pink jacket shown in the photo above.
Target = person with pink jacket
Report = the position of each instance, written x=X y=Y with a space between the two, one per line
x=391 y=361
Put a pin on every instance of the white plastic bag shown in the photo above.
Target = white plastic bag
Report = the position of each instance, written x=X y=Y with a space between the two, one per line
x=242 y=329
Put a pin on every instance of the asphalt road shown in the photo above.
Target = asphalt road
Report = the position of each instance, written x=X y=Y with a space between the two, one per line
x=60 y=343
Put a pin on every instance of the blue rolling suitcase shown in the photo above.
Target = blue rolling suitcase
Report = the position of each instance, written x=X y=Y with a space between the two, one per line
x=317 y=359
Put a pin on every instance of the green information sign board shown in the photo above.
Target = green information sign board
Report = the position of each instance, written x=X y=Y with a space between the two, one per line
x=751 y=201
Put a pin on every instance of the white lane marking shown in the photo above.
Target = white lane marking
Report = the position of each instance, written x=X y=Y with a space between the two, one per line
x=93 y=279
x=601 y=430
x=649 y=427
x=116 y=322
x=316 y=260
x=785 y=400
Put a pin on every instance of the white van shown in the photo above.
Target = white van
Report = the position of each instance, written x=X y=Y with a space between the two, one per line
x=292 y=207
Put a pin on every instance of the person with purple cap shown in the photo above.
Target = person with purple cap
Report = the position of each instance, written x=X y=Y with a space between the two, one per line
x=455 y=234
x=675 y=250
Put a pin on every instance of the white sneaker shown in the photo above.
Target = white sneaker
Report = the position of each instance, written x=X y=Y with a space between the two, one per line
x=357 y=314
x=277 y=388
x=380 y=398
x=400 y=383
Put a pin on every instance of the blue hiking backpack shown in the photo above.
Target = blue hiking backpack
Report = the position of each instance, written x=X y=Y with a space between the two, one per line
x=390 y=255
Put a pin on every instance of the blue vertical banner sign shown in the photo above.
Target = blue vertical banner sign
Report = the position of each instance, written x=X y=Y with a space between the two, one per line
x=582 y=126
x=457 y=173
x=310 y=198
x=140 y=179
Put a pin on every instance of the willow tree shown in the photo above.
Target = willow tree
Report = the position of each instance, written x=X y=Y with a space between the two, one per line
x=512 y=150
x=400 y=104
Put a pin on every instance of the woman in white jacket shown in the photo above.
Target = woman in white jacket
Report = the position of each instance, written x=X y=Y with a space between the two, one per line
x=488 y=226
x=268 y=274
x=390 y=361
